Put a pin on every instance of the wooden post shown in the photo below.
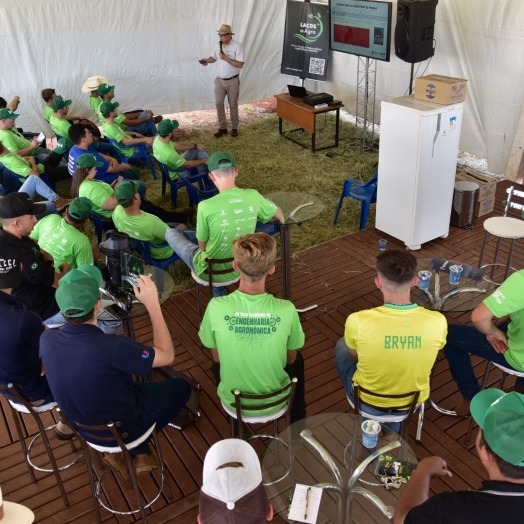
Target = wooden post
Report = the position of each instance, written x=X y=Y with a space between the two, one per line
x=515 y=169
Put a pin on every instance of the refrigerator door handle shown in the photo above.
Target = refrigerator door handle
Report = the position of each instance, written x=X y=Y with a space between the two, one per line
x=436 y=134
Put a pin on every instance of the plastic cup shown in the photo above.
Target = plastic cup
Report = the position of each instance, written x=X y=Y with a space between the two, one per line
x=455 y=272
x=370 y=432
x=424 y=277
x=382 y=243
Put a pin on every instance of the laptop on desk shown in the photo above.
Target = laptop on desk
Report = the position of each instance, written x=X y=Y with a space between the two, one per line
x=297 y=91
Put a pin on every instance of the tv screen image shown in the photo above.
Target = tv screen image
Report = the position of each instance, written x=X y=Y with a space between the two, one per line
x=361 y=27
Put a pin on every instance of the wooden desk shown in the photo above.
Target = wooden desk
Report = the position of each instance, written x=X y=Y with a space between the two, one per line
x=294 y=110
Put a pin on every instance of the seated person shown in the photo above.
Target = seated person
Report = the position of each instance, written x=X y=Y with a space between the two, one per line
x=501 y=342
x=99 y=387
x=220 y=219
x=248 y=354
x=21 y=146
x=102 y=194
x=63 y=239
x=113 y=131
x=142 y=122
x=13 y=106
x=48 y=96
x=391 y=349
x=109 y=170
x=129 y=218
x=166 y=151
x=500 y=418
x=91 y=86
x=232 y=488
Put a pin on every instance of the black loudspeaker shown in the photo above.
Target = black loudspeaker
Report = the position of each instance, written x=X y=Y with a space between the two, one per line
x=415 y=30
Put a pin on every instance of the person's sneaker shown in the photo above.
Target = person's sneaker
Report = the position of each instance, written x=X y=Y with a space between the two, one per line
x=220 y=132
x=63 y=431
x=234 y=132
x=462 y=410
x=158 y=119
x=145 y=463
x=118 y=464
x=61 y=204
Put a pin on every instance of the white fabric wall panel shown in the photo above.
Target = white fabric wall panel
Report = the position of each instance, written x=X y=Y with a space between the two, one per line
x=150 y=50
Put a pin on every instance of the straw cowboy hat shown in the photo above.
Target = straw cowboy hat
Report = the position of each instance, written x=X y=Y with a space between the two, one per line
x=93 y=82
x=224 y=28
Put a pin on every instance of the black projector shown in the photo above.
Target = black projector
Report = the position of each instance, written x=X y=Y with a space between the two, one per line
x=318 y=98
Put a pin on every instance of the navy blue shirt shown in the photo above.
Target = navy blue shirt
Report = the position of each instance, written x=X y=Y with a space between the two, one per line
x=101 y=172
x=90 y=375
x=19 y=361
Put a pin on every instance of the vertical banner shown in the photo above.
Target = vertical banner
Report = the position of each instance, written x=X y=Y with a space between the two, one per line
x=306 y=40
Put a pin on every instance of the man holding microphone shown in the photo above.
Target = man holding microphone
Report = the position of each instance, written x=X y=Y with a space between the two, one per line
x=230 y=57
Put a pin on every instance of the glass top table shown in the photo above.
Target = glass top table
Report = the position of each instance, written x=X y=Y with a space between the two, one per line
x=296 y=208
x=326 y=451
x=448 y=298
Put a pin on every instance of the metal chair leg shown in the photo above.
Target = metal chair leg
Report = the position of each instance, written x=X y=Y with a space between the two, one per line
x=420 y=422
x=198 y=301
x=17 y=418
x=482 y=249
x=482 y=387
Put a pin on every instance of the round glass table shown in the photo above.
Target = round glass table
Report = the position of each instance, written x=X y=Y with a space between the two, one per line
x=296 y=208
x=326 y=451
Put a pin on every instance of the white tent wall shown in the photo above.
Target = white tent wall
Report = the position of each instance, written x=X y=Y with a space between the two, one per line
x=150 y=50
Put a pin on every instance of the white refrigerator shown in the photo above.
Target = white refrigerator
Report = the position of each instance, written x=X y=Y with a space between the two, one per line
x=419 y=144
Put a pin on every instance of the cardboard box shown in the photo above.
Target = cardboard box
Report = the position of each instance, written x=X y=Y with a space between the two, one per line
x=488 y=185
x=440 y=89
x=484 y=207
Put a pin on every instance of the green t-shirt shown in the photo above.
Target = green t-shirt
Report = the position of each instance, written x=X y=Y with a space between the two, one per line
x=94 y=103
x=14 y=141
x=224 y=217
x=252 y=334
x=508 y=299
x=119 y=118
x=98 y=193
x=144 y=227
x=167 y=154
x=114 y=132
x=18 y=165
x=62 y=241
x=60 y=126
x=48 y=112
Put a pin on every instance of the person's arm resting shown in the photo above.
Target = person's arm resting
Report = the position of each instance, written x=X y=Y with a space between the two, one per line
x=481 y=318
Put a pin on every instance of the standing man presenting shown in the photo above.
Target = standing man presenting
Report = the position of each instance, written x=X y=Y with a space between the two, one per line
x=230 y=57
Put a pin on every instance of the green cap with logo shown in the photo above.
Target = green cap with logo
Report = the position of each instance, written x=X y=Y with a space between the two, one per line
x=219 y=160
x=126 y=190
x=63 y=145
x=78 y=291
x=501 y=417
x=106 y=107
x=7 y=113
x=59 y=103
x=80 y=208
x=103 y=89
x=167 y=126
x=88 y=160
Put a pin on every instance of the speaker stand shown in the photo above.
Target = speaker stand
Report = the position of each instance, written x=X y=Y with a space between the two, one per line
x=411 y=79
x=365 y=110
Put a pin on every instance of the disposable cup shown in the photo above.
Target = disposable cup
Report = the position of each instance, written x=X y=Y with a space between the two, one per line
x=370 y=432
x=382 y=243
x=455 y=272
x=424 y=277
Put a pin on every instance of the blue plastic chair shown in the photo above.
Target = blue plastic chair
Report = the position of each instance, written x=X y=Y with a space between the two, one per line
x=102 y=225
x=366 y=193
x=174 y=185
x=144 y=248
x=206 y=189
x=270 y=228
x=139 y=154
x=20 y=181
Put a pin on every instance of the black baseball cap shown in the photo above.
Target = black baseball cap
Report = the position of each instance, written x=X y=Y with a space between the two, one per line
x=10 y=272
x=19 y=204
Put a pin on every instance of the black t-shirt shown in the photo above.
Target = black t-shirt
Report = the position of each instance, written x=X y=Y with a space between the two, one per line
x=36 y=289
x=20 y=335
x=90 y=375
x=496 y=502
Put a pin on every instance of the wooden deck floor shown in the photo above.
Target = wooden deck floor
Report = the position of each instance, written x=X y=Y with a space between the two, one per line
x=339 y=277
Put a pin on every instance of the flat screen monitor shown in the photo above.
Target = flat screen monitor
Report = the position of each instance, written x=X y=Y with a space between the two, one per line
x=361 y=27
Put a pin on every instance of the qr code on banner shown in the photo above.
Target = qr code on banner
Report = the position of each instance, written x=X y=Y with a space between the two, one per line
x=316 y=66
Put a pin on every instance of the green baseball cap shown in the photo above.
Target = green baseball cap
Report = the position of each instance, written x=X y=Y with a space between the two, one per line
x=167 y=126
x=59 y=103
x=78 y=290
x=88 y=160
x=63 y=145
x=106 y=107
x=125 y=191
x=501 y=417
x=80 y=208
x=103 y=89
x=6 y=113
x=219 y=160
x=93 y=271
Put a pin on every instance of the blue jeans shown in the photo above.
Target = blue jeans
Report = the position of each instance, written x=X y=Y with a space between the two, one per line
x=104 y=148
x=463 y=340
x=35 y=185
x=346 y=368
x=163 y=402
x=42 y=154
x=185 y=245
x=147 y=128
x=109 y=327
x=194 y=154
